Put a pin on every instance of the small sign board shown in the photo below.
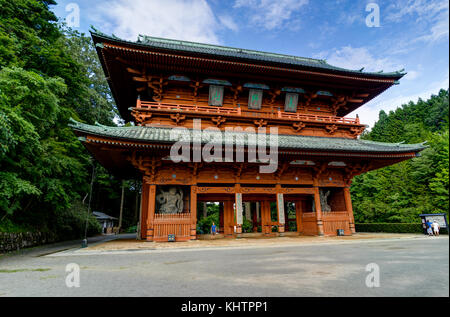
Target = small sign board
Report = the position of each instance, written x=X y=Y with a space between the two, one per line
x=239 y=217
x=215 y=95
x=280 y=204
x=255 y=99
x=290 y=104
x=441 y=219
x=171 y=237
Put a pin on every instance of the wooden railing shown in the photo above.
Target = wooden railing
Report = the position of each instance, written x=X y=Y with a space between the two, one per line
x=335 y=214
x=177 y=224
x=332 y=221
x=251 y=114
x=172 y=218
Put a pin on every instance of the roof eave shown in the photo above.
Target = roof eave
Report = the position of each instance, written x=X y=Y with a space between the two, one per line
x=102 y=38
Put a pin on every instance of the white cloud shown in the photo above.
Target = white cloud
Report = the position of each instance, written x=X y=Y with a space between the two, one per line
x=411 y=75
x=356 y=58
x=433 y=16
x=346 y=17
x=271 y=14
x=438 y=31
x=191 y=20
x=368 y=113
x=228 y=22
x=421 y=9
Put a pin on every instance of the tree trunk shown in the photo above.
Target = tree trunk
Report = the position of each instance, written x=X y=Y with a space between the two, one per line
x=121 y=205
x=205 y=210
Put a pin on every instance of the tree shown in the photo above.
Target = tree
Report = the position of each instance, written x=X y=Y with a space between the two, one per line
x=48 y=75
x=399 y=193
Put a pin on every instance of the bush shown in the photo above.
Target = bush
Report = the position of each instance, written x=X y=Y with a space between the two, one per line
x=204 y=224
x=391 y=227
x=71 y=223
x=291 y=225
x=7 y=226
x=247 y=226
x=66 y=224
x=131 y=229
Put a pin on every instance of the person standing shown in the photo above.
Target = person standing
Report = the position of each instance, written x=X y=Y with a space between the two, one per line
x=435 y=225
x=429 y=228
x=213 y=229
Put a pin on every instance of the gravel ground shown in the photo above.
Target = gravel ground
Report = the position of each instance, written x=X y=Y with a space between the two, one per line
x=408 y=266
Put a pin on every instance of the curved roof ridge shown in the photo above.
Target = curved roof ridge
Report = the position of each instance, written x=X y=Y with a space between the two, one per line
x=398 y=144
x=148 y=38
x=196 y=47
x=162 y=134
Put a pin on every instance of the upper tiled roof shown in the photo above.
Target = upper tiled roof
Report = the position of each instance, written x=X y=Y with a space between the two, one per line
x=292 y=142
x=251 y=55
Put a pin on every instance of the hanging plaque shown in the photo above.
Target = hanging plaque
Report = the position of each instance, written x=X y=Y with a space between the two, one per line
x=280 y=203
x=255 y=99
x=291 y=101
x=215 y=95
x=239 y=219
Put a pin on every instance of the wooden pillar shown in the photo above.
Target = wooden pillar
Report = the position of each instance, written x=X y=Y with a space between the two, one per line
x=262 y=205
x=228 y=219
x=318 y=211
x=299 y=215
x=204 y=209
x=349 y=207
x=221 y=222
x=122 y=198
x=258 y=211
x=286 y=219
x=193 y=210
x=255 y=217
x=139 y=218
x=144 y=210
x=151 y=211
x=280 y=210
x=266 y=218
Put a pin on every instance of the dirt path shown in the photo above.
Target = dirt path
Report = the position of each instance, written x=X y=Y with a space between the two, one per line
x=248 y=240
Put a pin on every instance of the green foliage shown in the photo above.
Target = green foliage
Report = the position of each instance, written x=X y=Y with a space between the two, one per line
x=131 y=229
x=292 y=225
x=204 y=224
x=400 y=192
x=389 y=227
x=98 y=103
x=247 y=226
x=9 y=226
x=48 y=74
x=71 y=222
x=13 y=189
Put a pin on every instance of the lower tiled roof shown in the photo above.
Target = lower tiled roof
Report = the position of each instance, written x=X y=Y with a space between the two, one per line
x=294 y=142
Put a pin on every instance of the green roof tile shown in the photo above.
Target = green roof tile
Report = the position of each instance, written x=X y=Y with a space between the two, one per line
x=292 y=142
x=226 y=51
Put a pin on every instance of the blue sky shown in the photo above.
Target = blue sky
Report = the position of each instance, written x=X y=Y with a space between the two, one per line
x=413 y=34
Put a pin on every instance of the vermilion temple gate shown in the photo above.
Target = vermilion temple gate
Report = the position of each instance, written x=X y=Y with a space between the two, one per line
x=160 y=85
x=310 y=220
